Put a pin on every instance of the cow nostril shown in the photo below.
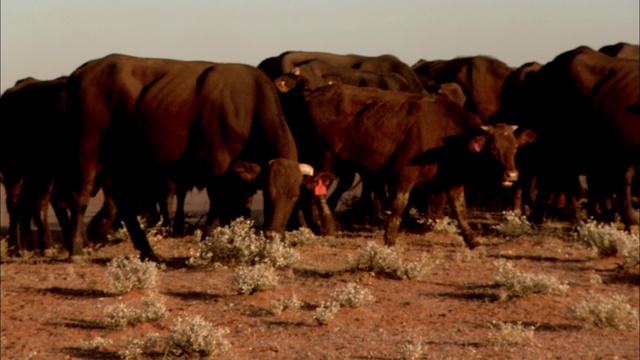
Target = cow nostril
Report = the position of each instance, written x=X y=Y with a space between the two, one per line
x=511 y=175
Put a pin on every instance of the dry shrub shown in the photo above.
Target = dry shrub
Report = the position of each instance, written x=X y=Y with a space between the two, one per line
x=601 y=311
x=129 y=273
x=326 y=312
x=249 y=279
x=412 y=350
x=240 y=244
x=505 y=334
x=513 y=225
x=446 y=226
x=120 y=315
x=278 y=306
x=195 y=337
x=519 y=283
x=607 y=240
x=352 y=295
x=383 y=259
x=302 y=236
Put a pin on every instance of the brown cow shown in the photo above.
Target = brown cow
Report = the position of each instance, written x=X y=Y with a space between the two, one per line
x=407 y=139
x=622 y=50
x=580 y=104
x=145 y=120
x=481 y=78
x=383 y=64
x=33 y=137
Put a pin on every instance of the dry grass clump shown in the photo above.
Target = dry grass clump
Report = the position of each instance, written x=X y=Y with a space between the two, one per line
x=412 y=350
x=240 y=244
x=95 y=344
x=302 y=236
x=196 y=337
x=506 y=334
x=249 y=279
x=326 y=312
x=128 y=273
x=153 y=232
x=383 y=259
x=513 y=225
x=352 y=295
x=446 y=226
x=519 y=283
x=120 y=315
x=607 y=240
x=601 y=311
x=189 y=338
x=278 y=306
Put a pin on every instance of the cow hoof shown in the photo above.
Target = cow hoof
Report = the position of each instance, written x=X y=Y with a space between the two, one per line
x=152 y=256
x=77 y=259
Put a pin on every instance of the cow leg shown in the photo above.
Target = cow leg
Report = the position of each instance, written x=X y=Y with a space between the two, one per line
x=178 y=219
x=101 y=224
x=165 y=203
x=399 y=200
x=455 y=196
x=13 y=186
x=46 y=245
x=628 y=218
x=60 y=210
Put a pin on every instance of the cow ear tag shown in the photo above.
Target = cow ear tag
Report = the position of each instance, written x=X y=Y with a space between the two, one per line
x=320 y=188
x=476 y=147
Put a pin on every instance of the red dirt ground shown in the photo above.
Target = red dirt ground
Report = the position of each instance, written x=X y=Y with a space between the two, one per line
x=50 y=307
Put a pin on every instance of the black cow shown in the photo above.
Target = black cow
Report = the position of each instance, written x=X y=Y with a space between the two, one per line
x=33 y=136
x=406 y=139
x=581 y=106
x=143 y=121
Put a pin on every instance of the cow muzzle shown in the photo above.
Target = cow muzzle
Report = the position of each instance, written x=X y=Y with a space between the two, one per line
x=509 y=177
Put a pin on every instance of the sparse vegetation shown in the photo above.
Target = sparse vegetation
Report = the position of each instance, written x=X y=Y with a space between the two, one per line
x=301 y=236
x=326 y=312
x=278 y=306
x=196 y=337
x=128 y=273
x=352 y=295
x=507 y=334
x=120 y=315
x=249 y=279
x=96 y=344
x=601 y=311
x=240 y=244
x=446 y=226
x=607 y=240
x=513 y=225
x=383 y=259
x=519 y=283
x=412 y=350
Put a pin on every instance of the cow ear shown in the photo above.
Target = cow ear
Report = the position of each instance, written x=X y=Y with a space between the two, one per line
x=246 y=171
x=477 y=143
x=285 y=83
x=525 y=137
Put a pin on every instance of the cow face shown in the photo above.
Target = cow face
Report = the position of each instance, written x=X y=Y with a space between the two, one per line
x=281 y=193
x=501 y=143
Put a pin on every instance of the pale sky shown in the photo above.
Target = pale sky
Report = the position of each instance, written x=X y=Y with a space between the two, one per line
x=49 y=38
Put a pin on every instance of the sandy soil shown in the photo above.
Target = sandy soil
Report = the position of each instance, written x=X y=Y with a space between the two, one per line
x=52 y=309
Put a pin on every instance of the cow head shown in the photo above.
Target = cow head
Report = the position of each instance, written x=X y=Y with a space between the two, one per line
x=500 y=141
x=306 y=77
x=282 y=191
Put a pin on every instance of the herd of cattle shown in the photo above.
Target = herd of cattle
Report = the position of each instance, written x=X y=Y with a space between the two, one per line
x=148 y=130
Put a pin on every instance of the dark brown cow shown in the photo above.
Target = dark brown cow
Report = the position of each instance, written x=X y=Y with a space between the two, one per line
x=622 y=50
x=33 y=135
x=383 y=64
x=315 y=73
x=406 y=139
x=580 y=104
x=481 y=79
x=145 y=120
